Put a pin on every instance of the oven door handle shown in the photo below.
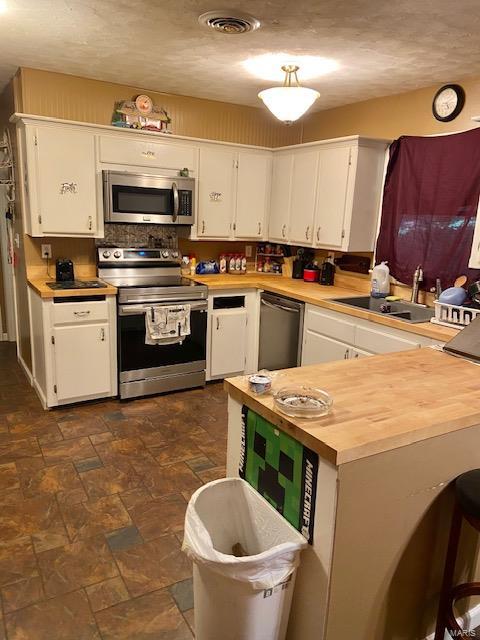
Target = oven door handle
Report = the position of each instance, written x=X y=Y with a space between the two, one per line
x=135 y=309
x=176 y=204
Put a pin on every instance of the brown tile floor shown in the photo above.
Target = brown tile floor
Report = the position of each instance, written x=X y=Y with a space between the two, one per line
x=92 y=501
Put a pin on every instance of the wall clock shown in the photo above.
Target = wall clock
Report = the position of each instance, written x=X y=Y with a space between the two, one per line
x=144 y=104
x=448 y=102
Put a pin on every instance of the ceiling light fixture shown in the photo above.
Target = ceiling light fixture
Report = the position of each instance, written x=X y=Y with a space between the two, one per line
x=290 y=102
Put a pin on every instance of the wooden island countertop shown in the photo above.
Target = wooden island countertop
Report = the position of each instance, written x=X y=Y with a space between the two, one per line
x=380 y=403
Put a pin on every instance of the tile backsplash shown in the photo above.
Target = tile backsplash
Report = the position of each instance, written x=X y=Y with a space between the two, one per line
x=139 y=235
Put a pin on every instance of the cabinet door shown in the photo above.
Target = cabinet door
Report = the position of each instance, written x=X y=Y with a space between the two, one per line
x=333 y=174
x=65 y=181
x=120 y=149
x=302 y=207
x=253 y=185
x=280 y=197
x=377 y=341
x=355 y=353
x=82 y=361
x=228 y=342
x=216 y=193
x=318 y=349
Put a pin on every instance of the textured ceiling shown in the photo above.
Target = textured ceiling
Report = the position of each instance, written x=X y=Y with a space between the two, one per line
x=382 y=47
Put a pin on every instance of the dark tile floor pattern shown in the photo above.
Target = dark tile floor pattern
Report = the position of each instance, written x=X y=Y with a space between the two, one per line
x=92 y=504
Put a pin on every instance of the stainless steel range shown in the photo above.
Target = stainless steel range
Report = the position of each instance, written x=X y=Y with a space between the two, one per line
x=148 y=278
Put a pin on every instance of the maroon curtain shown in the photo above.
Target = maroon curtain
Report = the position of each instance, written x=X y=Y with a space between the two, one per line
x=429 y=207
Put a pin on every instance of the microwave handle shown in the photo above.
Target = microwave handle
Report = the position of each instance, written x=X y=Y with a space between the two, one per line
x=175 y=201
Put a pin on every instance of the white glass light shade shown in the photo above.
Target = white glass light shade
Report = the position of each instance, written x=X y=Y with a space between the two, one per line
x=288 y=103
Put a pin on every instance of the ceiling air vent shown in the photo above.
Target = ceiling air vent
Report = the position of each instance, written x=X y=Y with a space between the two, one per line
x=229 y=22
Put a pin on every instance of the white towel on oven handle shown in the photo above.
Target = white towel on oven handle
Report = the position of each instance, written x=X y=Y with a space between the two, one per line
x=167 y=324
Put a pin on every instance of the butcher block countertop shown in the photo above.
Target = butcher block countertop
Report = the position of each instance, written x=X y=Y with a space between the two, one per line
x=39 y=285
x=321 y=296
x=379 y=403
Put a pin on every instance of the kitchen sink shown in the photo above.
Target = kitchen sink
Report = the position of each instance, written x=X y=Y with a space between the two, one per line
x=402 y=310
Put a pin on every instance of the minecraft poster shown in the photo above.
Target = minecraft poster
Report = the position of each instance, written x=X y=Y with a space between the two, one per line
x=281 y=469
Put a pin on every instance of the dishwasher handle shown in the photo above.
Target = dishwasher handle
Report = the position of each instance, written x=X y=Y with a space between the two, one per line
x=279 y=306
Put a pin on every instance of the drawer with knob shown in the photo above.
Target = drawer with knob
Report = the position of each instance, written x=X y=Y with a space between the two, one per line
x=79 y=312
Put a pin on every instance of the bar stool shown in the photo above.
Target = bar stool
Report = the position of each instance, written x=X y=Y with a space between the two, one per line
x=467 y=506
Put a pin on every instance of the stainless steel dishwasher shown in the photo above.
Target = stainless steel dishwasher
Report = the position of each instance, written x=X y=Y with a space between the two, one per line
x=281 y=330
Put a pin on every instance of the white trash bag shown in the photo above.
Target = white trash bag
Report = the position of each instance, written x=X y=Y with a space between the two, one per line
x=245 y=555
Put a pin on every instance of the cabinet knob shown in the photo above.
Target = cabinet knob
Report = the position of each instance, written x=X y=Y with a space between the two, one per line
x=102 y=335
x=318 y=234
x=90 y=223
x=259 y=228
x=81 y=314
x=347 y=352
x=218 y=323
x=307 y=232
x=283 y=230
x=203 y=226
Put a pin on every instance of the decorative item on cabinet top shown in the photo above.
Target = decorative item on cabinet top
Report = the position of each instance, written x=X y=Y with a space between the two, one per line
x=141 y=113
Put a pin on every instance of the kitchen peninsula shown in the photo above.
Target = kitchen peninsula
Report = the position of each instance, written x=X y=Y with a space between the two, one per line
x=402 y=427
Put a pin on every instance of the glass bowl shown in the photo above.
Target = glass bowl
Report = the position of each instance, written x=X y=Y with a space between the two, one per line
x=303 y=402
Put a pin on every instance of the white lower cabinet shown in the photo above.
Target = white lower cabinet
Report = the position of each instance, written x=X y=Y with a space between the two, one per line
x=329 y=336
x=232 y=335
x=229 y=341
x=74 y=349
x=318 y=348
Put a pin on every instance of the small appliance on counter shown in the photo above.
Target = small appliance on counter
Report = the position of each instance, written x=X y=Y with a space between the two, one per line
x=64 y=271
x=311 y=272
x=327 y=272
x=301 y=260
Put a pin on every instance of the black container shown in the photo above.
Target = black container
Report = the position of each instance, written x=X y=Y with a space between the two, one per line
x=298 y=267
x=327 y=273
x=64 y=270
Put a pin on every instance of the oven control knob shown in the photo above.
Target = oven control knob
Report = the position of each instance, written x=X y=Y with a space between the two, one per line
x=106 y=254
x=174 y=254
x=117 y=254
x=165 y=253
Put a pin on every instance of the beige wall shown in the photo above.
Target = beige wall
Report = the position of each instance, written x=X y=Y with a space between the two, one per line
x=392 y=116
x=73 y=98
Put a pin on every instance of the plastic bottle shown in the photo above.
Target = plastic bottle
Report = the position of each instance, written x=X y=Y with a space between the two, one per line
x=231 y=263
x=380 y=283
x=193 y=265
x=223 y=264
x=238 y=263
x=244 y=264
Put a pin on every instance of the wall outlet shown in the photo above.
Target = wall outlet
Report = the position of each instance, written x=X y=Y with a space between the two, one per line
x=46 y=251
x=248 y=250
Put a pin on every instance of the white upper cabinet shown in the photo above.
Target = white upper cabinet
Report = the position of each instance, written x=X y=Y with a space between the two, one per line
x=148 y=153
x=349 y=193
x=328 y=194
x=281 y=192
x=61 y=187
x=332 y=187
x=233 y=193
x=253 y=192
x=216 y=192
x=302 y=206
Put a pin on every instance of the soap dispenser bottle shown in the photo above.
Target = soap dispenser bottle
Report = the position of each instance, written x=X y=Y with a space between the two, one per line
x=380 y=284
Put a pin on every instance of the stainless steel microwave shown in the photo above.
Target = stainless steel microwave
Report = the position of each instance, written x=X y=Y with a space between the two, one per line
x=146 y=198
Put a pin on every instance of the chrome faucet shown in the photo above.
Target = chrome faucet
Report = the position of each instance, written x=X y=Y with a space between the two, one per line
x=417 y=278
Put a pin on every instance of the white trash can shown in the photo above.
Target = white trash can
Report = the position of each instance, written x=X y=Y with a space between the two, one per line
x=245 y=556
